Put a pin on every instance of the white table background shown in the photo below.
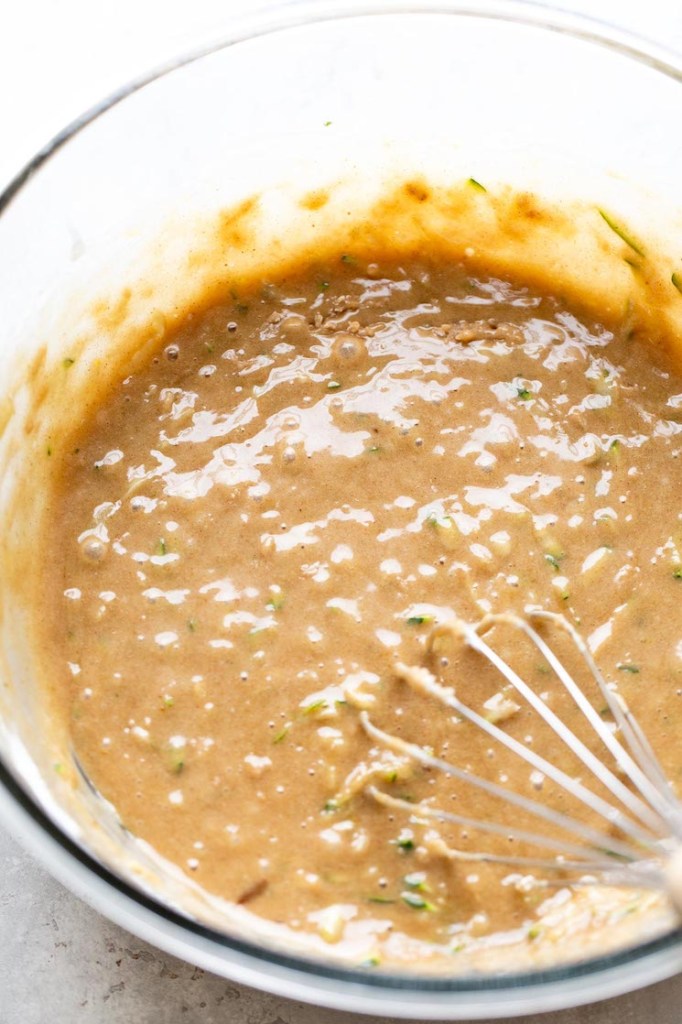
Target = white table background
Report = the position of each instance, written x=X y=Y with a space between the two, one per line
x=60 y=962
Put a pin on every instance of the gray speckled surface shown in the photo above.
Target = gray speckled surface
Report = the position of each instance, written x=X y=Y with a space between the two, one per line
x=61 y=962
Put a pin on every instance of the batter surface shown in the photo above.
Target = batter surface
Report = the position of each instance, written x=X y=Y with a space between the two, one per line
x=304 y=480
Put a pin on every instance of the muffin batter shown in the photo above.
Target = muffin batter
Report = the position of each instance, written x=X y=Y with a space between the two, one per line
x=256 y=528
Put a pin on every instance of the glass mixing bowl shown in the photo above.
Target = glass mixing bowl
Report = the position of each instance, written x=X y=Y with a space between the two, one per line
x=294 y=98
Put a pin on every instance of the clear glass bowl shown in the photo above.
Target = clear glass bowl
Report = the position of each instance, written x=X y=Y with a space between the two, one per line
x=295 y=98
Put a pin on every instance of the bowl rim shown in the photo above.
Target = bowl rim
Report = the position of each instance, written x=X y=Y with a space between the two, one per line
x=397 y=996
x=334 y=985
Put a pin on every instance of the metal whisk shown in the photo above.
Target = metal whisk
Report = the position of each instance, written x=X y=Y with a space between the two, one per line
x=640 y=803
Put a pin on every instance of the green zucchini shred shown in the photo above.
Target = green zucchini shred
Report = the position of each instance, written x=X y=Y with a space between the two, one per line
x=417 y=902
x=419 y=620
x=622 y=233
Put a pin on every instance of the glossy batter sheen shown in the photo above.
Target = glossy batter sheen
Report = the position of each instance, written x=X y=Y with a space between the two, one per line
x=255 y=529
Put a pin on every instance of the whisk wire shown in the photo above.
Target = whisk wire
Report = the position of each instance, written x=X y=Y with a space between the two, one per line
x=426 y=682
x=647 y=773
x=653 y=820
x=585 y=856
x=648 y=851
x=600 y=841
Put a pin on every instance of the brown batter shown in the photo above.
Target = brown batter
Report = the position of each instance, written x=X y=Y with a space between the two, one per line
x=255 y=528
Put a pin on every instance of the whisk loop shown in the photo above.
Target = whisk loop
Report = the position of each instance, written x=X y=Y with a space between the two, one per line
x=644 y=809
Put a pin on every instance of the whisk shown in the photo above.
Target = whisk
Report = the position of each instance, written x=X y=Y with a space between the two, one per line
x=639 y=803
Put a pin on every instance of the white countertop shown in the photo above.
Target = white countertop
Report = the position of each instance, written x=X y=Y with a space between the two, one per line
x=59 y=960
